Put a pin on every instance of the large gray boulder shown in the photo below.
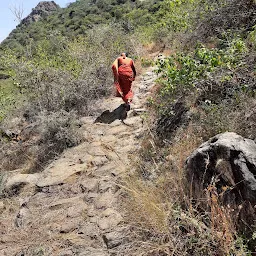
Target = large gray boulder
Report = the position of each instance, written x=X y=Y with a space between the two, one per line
x=227 y=161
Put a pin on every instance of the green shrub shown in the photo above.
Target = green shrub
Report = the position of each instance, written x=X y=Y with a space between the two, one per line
x=61 y=80
x=182 y=72
x=203 y=88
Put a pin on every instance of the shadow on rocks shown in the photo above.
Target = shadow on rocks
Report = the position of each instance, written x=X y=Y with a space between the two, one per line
x=108 y=117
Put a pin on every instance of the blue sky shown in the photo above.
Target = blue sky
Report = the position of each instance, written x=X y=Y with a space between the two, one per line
x=7 y=19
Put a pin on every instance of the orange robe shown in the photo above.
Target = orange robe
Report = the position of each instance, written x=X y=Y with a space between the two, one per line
x=124 y=73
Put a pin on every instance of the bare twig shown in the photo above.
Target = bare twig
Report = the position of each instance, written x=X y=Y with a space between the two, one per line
x=18 y=11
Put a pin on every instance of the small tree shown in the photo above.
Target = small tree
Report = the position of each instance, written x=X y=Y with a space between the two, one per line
x=18 y=11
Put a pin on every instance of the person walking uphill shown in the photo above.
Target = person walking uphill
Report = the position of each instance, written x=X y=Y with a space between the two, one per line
x=124 y=73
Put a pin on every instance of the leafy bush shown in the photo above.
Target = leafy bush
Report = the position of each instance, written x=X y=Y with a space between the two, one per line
x=230 y=15
x=61 y=80
x=181 y=74
x=10 y=97
x=186 y=69
x=58 y=131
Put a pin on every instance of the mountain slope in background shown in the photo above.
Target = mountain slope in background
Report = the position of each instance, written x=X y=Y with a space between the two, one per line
x=78 y=18
x=43 y=9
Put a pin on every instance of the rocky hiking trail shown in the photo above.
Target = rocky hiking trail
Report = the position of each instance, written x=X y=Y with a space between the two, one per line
x=72 y=207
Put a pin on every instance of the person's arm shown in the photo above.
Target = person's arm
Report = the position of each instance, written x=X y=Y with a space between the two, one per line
x=133 y=69
x=115 y=73
x=115 y=70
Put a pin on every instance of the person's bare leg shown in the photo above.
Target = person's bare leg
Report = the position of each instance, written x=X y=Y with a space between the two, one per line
x=128 y=105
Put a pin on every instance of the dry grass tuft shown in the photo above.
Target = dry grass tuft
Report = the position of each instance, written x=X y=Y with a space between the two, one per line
x=150 y=205
x=161 y=217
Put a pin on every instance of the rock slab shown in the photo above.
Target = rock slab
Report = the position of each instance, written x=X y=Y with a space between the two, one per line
x=227 y=161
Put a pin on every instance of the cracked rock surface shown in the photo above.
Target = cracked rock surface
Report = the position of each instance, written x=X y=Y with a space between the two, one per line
x=71 y=208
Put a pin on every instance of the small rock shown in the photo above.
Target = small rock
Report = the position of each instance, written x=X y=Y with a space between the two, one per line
x=76 y=211
x=134 y=121
x=106 y=168
x=96 y=151
x=170 y=158
x=20 y=254
x=74 y=239
x=70 y=226
x=116 y=172
x=92 y=252
x=139 y=111
x=93 y=219
x=127 y=149
x=112 y=239
x=16 y=182
x=80 y=161
x=89 y=229
x=2 y=207
x=95 y=144
x=24 y=201
x=105 y=186
x=117 y=130
x=99 y=160
x=89 y=185
x=87 y=120
x=67 y=202
x=109 y=219
x=59 y=173
x=66 y=253
x=108 y=138
x=91 y=212
x=105 y=200
x=91 y=196
x=22 y=217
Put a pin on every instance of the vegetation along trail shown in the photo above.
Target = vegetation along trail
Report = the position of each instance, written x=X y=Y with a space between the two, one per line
x=177 y=176
x=72 y=206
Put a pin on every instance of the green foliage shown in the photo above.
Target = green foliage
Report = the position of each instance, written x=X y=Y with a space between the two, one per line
x=252 y=37
x=10 y=97
x=213 y=84
x=145 y=62
x=184 y=70
x=7 y=60
x=150 y=20
x=77 y=19
x=177 y=14
x=59 y=79
x=56 y=71
x=52 y=55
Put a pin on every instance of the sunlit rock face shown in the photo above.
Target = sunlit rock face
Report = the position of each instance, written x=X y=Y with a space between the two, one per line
x=43 y=9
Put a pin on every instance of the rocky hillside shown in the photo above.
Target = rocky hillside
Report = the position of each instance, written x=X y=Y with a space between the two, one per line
x=79 y=17
x=176 y=175
x=73 y=207
x=42 y=10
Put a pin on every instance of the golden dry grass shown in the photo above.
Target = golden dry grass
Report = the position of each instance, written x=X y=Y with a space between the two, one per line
x=160 y=214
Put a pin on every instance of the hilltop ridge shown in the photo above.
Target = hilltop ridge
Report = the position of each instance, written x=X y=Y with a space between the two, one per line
x=43 y=9
x=78 y=18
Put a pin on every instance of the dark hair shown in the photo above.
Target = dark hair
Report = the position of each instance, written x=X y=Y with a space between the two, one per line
x=126 y=54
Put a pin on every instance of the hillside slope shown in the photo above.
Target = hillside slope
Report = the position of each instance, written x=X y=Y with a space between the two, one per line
x=73 y=206
x=204 y=94
x=78 y=18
